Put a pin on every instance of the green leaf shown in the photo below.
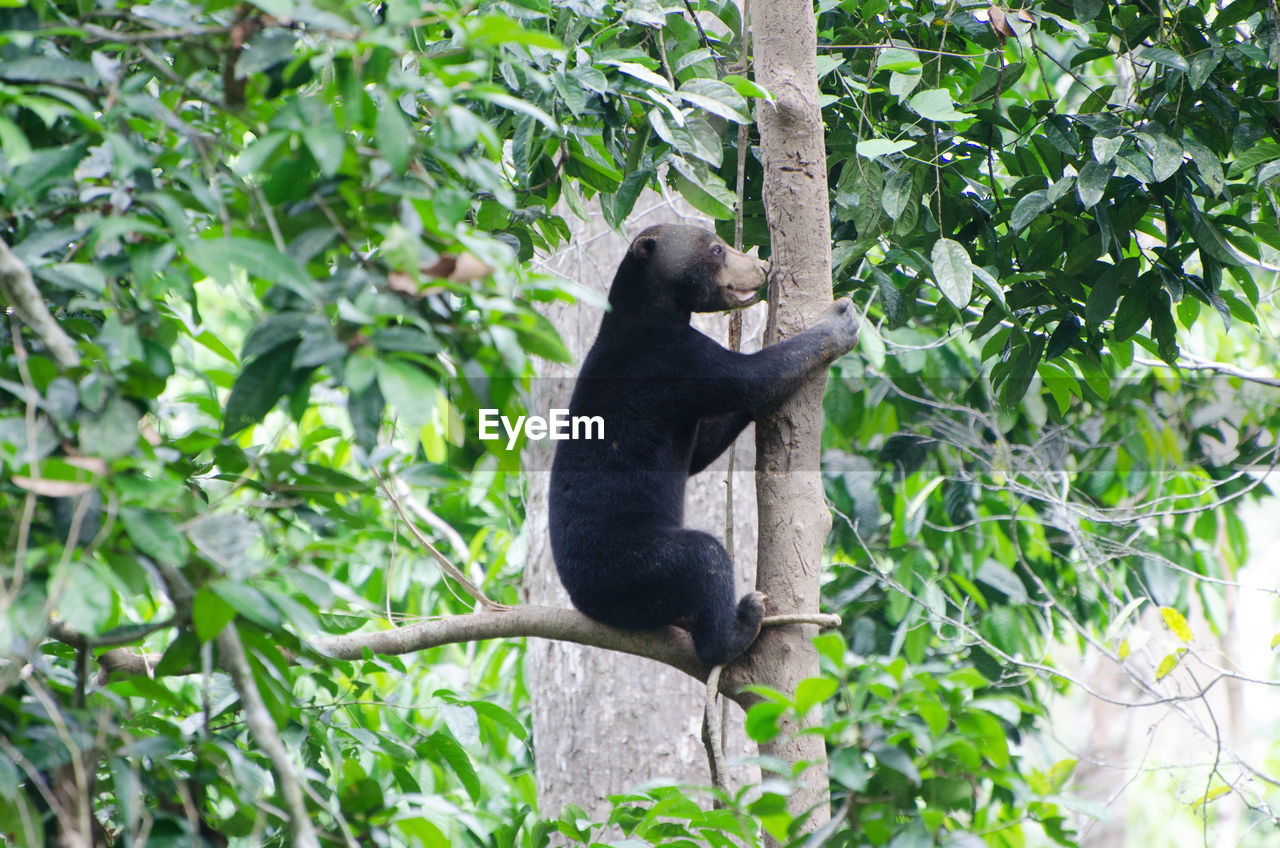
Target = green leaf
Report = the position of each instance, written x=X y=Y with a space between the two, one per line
x=1063 y=337
x=180 y=656
x=259 y=386
x=992 y=285
x=501 y=99
x=1176 y=623
x=112 y=433
x=901 y=85
x=953 y=271
x=717 y=98
x=571 y=92
x=500 y=717
x=1163 y=328
x=1022 y=368
x=217 y=257
x=1166 y=158
x=896 y=309
x=812 y=691
x=993 y=82
x=17 y=150
x=393 y=136
x=1061 y=383
x=1209 y=240
x=639 y=72
x=326 y=142
x=1101 y=302
x=539 y=337
x=1091 y=185
x=1166 y=57
x=155 y=534
x=897 y=194
x=873 y=147
x=248 y=601
x=277 y=330
x=591 y=79
x=762 y=721
x=936 y=104
x=210 y=614
x=747 y=88
x=255 y=156
x=1132 y=313
x=1028 y=208
x=1085 y=10
x=1202 y=65
x=409 y=389
x=497 y=30
x=1264 y=151
x=898 y=60
x=453 y=754
x=890 y=756
x=1000 y=577
x=711 y=198
x=1105 y=149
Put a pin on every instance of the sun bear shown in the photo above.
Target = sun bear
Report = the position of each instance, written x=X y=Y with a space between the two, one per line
x=672 y=400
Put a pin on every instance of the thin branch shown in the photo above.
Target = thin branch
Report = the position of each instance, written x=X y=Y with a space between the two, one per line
x=706 y=42
x=445 y=565
x=263 y=729
x=712 y=737
x=1194 y=364
x=19 y=289
x=97 y=34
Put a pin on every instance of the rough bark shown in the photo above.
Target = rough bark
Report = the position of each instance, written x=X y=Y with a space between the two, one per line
x=590 y=705
x=793 y=517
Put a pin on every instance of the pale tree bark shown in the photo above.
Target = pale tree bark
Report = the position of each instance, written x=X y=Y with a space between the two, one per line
x=605 y=722
x=794 y=519
x=1103 y=772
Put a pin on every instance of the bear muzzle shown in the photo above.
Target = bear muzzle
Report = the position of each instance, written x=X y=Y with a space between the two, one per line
x=741 y=279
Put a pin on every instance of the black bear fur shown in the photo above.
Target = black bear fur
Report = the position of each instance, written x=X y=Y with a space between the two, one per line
x=672 y=400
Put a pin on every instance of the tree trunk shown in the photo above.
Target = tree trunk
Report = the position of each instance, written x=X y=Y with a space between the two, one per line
x=604 y=722
x=794 y=520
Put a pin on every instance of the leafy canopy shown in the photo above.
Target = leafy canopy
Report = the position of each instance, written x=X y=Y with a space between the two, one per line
x=291 y=243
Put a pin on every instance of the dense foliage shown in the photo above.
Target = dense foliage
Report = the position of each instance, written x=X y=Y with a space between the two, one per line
x=290 y=244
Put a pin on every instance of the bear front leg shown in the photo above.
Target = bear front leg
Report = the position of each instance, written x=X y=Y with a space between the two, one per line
x=715 y=434
x=752 y=382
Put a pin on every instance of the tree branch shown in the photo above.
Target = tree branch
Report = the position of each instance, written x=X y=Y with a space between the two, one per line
x=670 y=645
x=1192 y=363
x=17 y=287
x=263 y=729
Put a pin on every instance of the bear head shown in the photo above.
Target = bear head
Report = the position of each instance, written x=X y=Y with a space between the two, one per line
x=686 y=269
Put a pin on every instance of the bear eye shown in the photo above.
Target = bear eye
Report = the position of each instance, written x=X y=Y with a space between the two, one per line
x=717 y=251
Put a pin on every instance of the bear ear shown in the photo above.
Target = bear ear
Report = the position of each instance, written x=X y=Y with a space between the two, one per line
x=643 y=246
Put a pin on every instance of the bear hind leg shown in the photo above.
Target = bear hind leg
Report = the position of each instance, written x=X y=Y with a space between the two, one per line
x=722 y=626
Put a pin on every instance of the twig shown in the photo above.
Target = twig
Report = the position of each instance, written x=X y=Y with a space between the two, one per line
x=706 y=42
x=447 y=567
x=97 y=34
x=712 y=737
x=825 y=621
x=1192 y=364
